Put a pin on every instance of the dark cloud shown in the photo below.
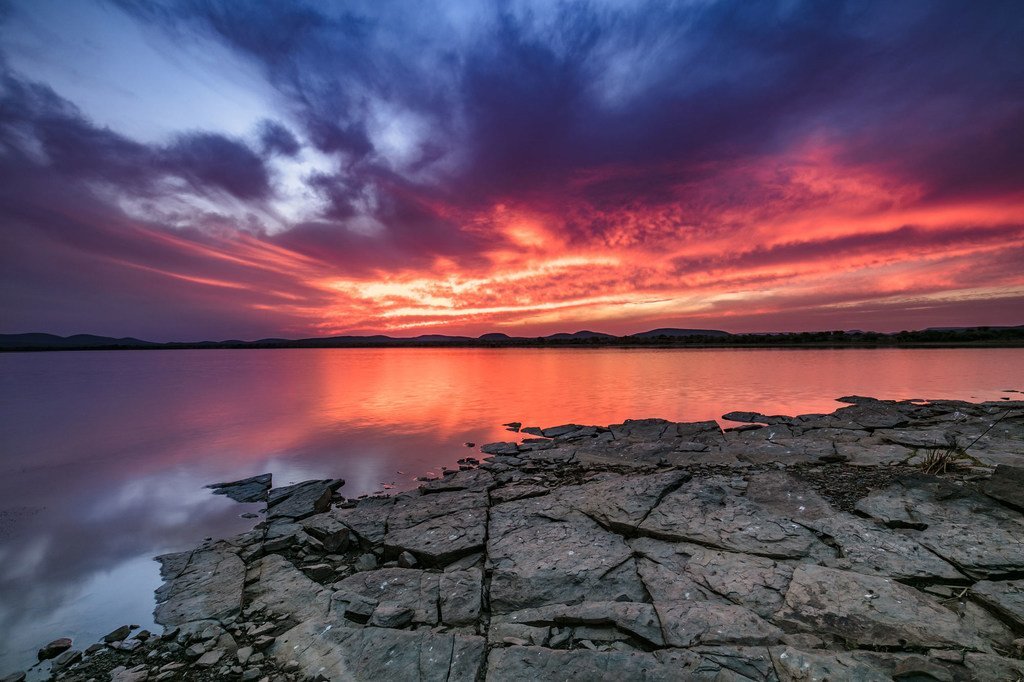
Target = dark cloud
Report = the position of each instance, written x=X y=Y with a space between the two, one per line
x=208 y=160
x=277 y=139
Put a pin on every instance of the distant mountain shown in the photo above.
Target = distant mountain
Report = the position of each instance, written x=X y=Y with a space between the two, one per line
x=441 y=338
x=76 y=341
x=495 y=336
x=563 y=336
x=671 y=332
x=973 y=329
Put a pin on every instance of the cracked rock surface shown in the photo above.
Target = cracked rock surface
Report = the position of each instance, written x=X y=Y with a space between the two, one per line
x=798 y=548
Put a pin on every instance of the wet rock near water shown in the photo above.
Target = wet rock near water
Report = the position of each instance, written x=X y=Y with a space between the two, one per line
x=809 y=547
x=253 y=489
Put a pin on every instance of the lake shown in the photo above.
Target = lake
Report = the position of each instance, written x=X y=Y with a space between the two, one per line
x=104 y=455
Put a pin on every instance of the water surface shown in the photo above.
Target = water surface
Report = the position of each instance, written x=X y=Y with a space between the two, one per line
x=103 y=455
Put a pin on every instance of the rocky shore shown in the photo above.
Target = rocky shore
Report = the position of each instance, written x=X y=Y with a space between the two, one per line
x=882 y=541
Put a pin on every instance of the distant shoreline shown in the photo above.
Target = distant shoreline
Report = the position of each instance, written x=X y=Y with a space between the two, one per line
x=545 y=346
x=944 y=337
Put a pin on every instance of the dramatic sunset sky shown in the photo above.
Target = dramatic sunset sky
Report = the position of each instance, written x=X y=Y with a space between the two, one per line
x=203 y=170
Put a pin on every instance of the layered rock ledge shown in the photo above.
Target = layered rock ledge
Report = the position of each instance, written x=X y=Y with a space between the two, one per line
x=882 y=541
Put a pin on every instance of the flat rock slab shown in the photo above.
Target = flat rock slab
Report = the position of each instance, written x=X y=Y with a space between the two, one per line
x=204 y=584
x=405 y=587
x=710 y=512
x=876 y=550
x=1006 y=485
x=437 y=528
x=634 y=619
x=1005 y=598
x=287 y=591
x=667 y=665
x=971 y=531
x=252 y=489
x=622 y=503
x=380 y=654
x=793 y=664
x=691 y=623
x=302 y=499
x=542 y=553
x=871 y=611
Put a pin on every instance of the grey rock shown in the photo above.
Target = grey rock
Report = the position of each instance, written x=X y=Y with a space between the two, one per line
x=252 y=489
x=870 y=610
x=319 y=572
x=794 y=665
x=1005 y=598
x=634 y=619
x=622 y=503
x=439 y=540
x=1006 y=485
x=437 y=528
x=474 y=480
x=708 y=512
x=123 y=674
x=286 y=590
x=384 y=654
x=543 y=553
x=391 y=616
x=756 y=583
x=520 y=663
x=118 y=634
x=876 y=550
x=208 y=586
x=302 y=499
x=412 y=589
x=366 y=562
x=368 y=520
x=210 y=658
x=332 y=533
x=516 y=492
x=695 y=622
x=971 y=531
x=500 y=448
x=872 y=416
x=54 y=649
x=460 y=596
x=67 y=658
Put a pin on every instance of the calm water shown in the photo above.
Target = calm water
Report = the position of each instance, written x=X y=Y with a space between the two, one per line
x=103 y=455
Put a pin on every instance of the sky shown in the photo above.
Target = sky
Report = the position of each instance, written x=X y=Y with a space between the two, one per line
x=188 y=170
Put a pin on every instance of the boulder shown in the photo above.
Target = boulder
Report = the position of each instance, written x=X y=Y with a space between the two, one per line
x=54 y=649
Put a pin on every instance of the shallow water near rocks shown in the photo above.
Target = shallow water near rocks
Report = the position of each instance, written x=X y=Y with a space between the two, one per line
x=104 y=455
